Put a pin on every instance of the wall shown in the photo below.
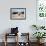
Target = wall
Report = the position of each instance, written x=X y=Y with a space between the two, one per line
x=24 y=25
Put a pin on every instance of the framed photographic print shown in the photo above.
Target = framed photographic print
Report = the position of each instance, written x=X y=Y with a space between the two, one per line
x=17 y=13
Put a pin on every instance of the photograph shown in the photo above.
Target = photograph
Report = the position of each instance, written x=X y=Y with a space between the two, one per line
x=17 y=13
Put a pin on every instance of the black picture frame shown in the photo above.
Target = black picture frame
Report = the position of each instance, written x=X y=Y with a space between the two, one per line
x=17 y=13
